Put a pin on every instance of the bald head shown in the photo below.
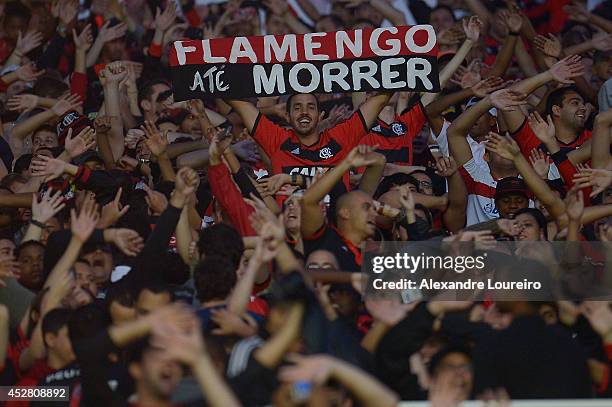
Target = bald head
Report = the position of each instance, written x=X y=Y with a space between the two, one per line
x=351 y=200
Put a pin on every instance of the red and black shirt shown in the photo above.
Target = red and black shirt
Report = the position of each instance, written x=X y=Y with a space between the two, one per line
x=290 y=156
x=329 y=238
x=395 y=140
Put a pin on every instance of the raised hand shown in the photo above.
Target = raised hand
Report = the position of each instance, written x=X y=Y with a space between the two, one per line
x=115 y=72
x=85 y=140
x=543 y=130
x=272 y=184
x=569 y=67
x=362 y=156
x=156 y=201
x=183 y=345
x=48 y=206
x=549 y=45
x=186 y=181
x=46 y=166
x=389 y=311
x=467 y=77
x=453 y=36
x=28 y=73
x=540 y=162
x=577 y=12
x=28 y=42
x=574 y=204
x=9 y=268
x=127 y=240
x=231 y=324
x=165 y=19
x=82 y=226
x=598 y=179
x=107 y=34
x=446 y=167
x=505 y=146
x=132 y=138
x=507 y=99
x=113 y=211
x=512 y=20
x=599 y=315
x=66 y=104
x=22 y=103
x=155 y=141
x=67 y=12
x=406 y=198
x=314 y=369
x=83 y=40
x=488 y=85
x=102 y=124
x=217 y=146
x=602 y=42
x=472 y=27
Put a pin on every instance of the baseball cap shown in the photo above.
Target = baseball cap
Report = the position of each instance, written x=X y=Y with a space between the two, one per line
x=511 y=185
x=71 y=120
x=474 y=100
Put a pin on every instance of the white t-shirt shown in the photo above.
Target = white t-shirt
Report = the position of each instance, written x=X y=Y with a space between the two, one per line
x=481 y=193
x=478 y=149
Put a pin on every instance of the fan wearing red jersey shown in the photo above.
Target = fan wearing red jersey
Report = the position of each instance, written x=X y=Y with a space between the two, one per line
x=302 y=149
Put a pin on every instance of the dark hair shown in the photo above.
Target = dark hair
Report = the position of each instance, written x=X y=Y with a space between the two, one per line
x=28 y=243
x=536 y=214
x=364 y=21
x=214 y=278
x=495 y=5
x=146 y=89
x=11 y=178
x=156 y=287
x=222 y=240
x=87 y=321
x=441 y=7
x=288 y=107
x=46 y=127
x=18 y=10
x=55 y=320
x=22 y=163
x=48 y=86
x=395 y=179
x=436 y=359
x=120 y=293
x=555 y=98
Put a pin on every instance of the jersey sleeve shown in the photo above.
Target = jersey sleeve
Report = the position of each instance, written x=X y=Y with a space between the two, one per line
x=475 y=175
x=350 y=132
x=526 y=139
x=414 y=120
x=269 y=135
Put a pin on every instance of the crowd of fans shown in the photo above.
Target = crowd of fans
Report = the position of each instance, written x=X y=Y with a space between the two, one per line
x=156 y=252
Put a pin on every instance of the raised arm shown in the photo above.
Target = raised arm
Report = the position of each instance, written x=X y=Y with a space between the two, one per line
x=372 y=107
x=110 y=77
x=247 y=112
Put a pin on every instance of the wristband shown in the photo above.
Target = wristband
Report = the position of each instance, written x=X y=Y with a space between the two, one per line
x=514 y=33
x=37 y=223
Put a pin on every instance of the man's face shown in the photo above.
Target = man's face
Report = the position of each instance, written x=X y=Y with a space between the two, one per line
x=191 y=125
x=362 y=215
x=84 y=277
x=548 y=314
x=572 y=112
x=31 y=263
x=482 y=127
x=52 y=225
x=528 y=228
x=43 y=139
x=114 y=50
x=509 y=204
x=441 y=20
x=151 y=106
x=7 y=249
x=292 y=214
x=603 y=68
x=425 y=184
x=304 y=114
x=459 y=367
x=101 y=263
x=149 y=301
x=60 y=345
x=322 y=260
x=157 y=375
